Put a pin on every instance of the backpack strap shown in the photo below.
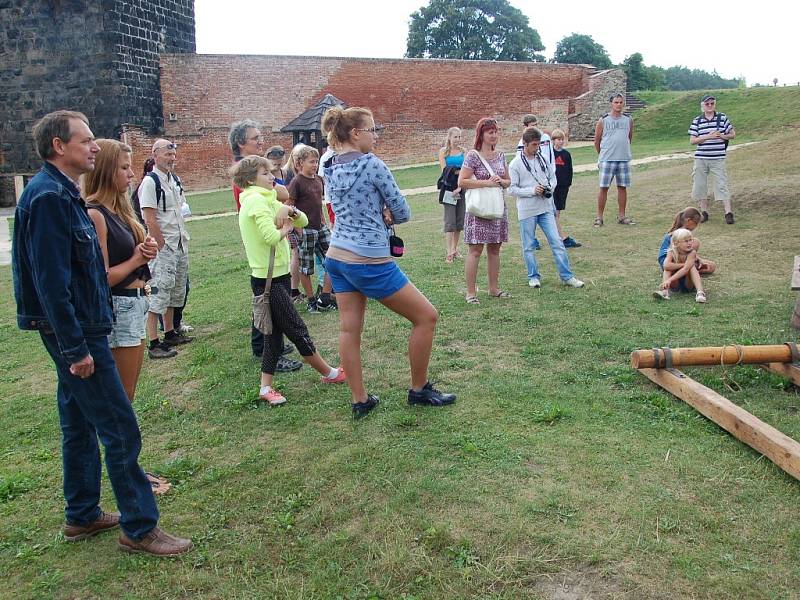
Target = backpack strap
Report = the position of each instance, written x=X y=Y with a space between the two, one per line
x=161 y=195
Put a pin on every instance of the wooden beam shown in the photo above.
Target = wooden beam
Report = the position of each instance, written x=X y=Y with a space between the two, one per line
x=789 y=371
x=726 y=355
x=796 y=274
x=778 y=447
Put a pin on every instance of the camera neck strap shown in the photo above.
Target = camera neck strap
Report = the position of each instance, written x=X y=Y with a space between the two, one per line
x=542 y=165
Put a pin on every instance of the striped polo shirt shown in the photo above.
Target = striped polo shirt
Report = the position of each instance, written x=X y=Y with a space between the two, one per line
x=714 y=148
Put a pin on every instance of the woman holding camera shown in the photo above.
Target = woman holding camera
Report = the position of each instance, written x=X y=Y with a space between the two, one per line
x=480 y=232
x=533 y=182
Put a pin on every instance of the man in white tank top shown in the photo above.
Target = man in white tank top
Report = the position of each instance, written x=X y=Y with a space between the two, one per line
x=612 y=141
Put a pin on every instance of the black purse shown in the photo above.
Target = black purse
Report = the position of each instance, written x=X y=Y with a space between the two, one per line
x=396 y=245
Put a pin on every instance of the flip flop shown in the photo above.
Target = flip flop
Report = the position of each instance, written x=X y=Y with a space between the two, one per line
x=473 y=300
x=501 y=294
x=598 y=222
x=160 y=485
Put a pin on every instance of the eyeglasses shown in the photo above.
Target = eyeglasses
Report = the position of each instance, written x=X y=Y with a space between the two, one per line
x=170 y=146
x=258 y=138
x=710 y=102
x=375 y=130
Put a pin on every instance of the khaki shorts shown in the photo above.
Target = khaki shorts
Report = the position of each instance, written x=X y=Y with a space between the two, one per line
x=170 y=269
x=700 y=172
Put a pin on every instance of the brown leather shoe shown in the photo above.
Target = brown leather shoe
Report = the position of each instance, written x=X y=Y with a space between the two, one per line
x=157 y=542
x=74 y=533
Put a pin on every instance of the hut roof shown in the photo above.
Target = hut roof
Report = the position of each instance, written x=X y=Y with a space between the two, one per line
x=311 y=119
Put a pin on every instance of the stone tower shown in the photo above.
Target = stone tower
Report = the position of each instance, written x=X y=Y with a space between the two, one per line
x=100 y=57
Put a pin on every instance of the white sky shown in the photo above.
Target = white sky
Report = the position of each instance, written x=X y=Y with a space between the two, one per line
x=756 y=40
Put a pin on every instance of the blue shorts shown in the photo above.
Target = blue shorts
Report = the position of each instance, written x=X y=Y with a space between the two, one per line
x=615 y=169
x=374 y=281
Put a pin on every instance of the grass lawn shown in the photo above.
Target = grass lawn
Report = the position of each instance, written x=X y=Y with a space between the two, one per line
x=559 y=473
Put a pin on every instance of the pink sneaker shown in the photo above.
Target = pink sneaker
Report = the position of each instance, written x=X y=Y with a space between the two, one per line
x=273 y=397
x=340 y=378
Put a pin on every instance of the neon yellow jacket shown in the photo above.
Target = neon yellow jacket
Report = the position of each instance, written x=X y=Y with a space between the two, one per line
x=259 y=234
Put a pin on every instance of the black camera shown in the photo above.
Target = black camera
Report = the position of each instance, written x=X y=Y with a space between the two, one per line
x=547 y=192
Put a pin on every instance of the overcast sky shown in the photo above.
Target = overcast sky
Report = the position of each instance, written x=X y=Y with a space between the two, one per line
x=757 y=40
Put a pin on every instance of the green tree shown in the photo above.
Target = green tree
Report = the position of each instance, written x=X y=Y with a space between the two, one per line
x=580 y=49
x=634 y=68
x=472 y=29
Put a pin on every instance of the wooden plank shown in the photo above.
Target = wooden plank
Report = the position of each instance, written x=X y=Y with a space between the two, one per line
x=787 y=370
x=796 y=274
x=778 y=447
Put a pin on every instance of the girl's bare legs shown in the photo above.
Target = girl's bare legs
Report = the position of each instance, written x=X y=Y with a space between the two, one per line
x=409 y=302
x=351 y=323
x=493 y=263
x=694 y=277
x=129 y=365
x=450 y=243
x=456 y=238
x=471 y=267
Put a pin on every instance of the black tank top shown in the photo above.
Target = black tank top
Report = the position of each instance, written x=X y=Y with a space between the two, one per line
x=120 y=244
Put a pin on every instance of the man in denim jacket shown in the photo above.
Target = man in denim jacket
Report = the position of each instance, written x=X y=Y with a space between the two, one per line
x=62 y=291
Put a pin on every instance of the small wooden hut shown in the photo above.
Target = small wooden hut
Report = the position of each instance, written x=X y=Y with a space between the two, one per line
x=306 y=128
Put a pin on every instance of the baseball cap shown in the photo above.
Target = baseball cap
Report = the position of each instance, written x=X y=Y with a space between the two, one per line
x=708 y=97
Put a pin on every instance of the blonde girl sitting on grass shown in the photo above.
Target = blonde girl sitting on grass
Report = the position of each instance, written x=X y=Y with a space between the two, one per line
x=680 y=267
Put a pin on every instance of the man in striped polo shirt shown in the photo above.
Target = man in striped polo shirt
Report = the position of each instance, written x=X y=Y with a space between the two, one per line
x=710 y=132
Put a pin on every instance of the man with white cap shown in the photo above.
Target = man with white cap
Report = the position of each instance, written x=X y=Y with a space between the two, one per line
x=161 y=210
x=710 y=132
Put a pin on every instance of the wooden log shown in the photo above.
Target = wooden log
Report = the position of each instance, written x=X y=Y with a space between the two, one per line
x=682 y=357
x=778 y=447
x=791 y=372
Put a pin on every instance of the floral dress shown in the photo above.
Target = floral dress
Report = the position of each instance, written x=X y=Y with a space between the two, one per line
x=486 y=231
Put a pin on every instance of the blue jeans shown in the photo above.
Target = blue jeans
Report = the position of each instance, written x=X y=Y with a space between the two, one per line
x=527 y=230
x=98 y=407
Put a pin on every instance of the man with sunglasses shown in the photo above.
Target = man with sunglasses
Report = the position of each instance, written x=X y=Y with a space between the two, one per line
x=710 y=132
x=162 y=216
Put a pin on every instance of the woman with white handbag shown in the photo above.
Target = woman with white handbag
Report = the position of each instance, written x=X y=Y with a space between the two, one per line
x=484 y=177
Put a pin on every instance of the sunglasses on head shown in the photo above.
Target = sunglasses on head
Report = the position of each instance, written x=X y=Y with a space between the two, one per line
x=171 y=146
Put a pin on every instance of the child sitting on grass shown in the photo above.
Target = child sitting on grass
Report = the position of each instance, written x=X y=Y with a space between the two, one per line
x=680 y=267
x=689 y=218
x=264 y=223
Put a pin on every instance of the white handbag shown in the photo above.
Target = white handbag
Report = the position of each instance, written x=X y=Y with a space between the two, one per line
x=485 y=202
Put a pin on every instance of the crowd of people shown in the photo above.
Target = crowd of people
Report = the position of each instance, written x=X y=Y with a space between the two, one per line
x=97 y=272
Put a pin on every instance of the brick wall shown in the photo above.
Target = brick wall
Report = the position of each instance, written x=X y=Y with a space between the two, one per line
x=97 y=56
x=416 y=101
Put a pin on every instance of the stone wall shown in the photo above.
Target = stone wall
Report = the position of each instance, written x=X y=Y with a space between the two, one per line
x=97 y=56
x=415 y=100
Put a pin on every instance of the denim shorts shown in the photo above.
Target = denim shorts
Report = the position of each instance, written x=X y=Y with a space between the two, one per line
x=374 y=281
x=129 y=321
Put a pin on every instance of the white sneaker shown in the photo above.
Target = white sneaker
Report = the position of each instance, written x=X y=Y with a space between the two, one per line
x=534 y=282
x=573 y=282
x=185 y=328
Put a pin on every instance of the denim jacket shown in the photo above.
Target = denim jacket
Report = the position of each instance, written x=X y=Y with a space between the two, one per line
x=60 y=282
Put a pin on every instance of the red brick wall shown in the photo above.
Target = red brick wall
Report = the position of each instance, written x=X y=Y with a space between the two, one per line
x=416 y=101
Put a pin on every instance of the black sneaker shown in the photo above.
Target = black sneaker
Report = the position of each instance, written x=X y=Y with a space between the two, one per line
x=703 y=216
x=571 y=243
x=325 y=307
x=287 y=349
x=312 y=306
x=430 y=396
x=161 y=350
x=536 y=244
x=729 y=218
x=287 y=365
x=176 y=338
x=362 y=409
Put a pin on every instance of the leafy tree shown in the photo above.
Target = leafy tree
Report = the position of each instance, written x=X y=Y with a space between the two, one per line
x=472 y=29
x=640 y=76
x=683 y=78
x=580 y=49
